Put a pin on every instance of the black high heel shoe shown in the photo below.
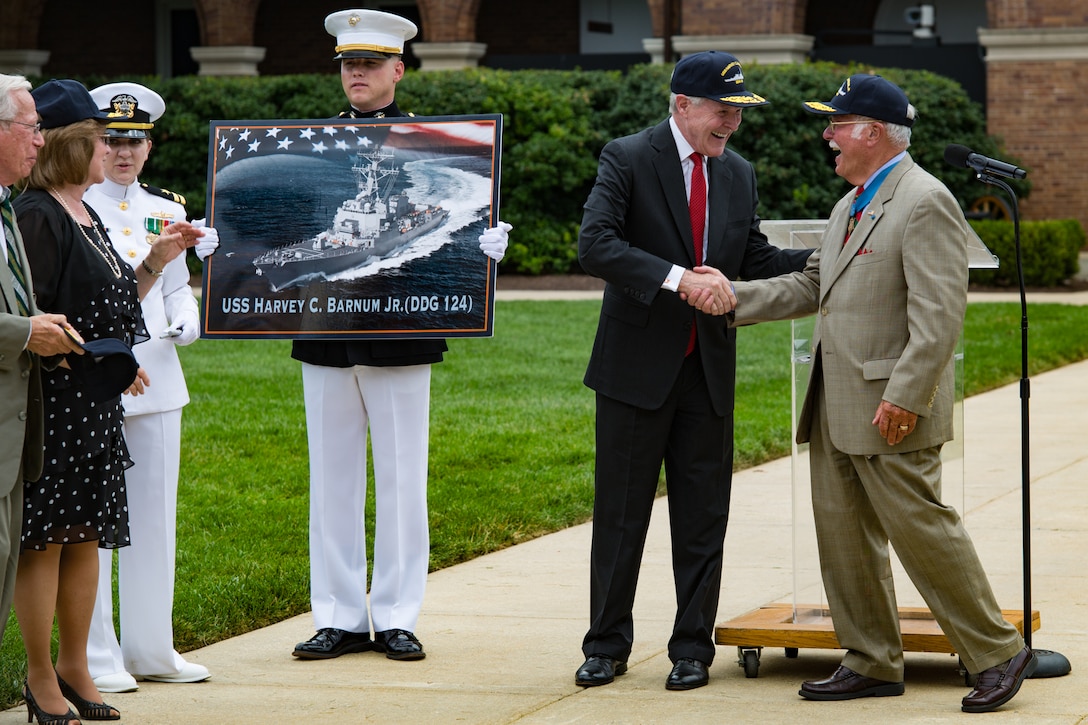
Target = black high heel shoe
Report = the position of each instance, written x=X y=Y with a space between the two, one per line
x=44 y=718
x=88 y=710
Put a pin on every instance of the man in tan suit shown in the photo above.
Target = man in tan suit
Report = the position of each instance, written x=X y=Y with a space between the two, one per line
x=889 y=284
x=25 y=334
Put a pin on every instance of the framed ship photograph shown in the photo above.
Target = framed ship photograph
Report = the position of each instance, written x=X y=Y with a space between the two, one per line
x=352 y=228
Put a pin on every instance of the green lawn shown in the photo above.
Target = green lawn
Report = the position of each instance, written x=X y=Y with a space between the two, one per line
x=511 y=449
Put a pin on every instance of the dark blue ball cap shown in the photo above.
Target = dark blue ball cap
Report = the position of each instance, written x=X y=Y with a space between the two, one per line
x=870 y=96
x=106 y=368
x=715 y=75
x=64 y=102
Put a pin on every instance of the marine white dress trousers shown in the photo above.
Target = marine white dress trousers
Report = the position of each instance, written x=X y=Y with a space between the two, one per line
x=340 y=405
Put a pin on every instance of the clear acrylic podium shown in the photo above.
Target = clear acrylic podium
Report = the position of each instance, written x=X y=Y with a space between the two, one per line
x=804 y=621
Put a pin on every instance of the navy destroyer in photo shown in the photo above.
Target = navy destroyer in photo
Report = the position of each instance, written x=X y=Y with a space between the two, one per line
x=366 y=228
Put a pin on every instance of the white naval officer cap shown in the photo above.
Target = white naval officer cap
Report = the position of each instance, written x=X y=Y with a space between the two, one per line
x=369 y=33
x=132 y=108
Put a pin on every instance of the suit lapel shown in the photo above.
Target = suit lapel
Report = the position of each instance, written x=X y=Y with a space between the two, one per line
x=720 y=190
x=870 y=217
x=670 y=175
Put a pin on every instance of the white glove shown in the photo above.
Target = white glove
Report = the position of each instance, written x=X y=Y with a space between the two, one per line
x=493 y=241
x=185 y=330
x=207 y=243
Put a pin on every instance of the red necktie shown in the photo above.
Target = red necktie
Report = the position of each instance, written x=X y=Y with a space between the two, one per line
x=697 y=205
x=697 y=213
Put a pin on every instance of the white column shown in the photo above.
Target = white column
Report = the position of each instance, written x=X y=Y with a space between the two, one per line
x=656 y=48
x=23 y=62
x=763 y=49
x=448 y=56
x=1034 y=44
x=227 y=60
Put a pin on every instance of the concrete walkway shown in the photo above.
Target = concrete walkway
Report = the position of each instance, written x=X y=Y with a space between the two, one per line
x=503 y=631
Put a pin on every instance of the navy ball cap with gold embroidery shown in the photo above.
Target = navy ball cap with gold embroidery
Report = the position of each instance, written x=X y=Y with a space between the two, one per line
x=871 y=96
x=715 y=75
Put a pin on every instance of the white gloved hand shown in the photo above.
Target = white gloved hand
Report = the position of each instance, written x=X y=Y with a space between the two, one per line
x=185 y=330
x=493 y=241
x=208 y=243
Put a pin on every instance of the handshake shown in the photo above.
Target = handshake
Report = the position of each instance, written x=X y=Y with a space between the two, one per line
x=707 y=290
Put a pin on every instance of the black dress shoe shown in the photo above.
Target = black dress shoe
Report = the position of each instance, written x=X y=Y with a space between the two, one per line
x=687 y=674
x=399 y=644
x=330 y=642
x=997 y=685
x=599 y=670
x=846 y=684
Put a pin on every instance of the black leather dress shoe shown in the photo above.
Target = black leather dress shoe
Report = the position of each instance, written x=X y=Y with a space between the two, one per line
x=329 y=643
x=599 y=670
x=997 y=685
x=846 y=684
x=399 y=644
x=687 y=674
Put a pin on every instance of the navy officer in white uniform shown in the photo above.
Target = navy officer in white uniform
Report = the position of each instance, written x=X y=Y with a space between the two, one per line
x=134 y=213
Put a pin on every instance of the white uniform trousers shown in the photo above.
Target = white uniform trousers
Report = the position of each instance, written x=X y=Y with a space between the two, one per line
x=145 y=578
x=340 y=404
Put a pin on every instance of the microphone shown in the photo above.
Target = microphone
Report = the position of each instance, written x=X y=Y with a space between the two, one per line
x=958 y=155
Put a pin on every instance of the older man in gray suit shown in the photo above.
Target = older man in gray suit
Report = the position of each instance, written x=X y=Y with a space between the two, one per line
x=25 y=334
x=889 y=284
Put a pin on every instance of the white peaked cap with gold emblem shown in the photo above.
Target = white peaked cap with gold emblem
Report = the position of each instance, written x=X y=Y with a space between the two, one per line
x=132 y=108
x=369 y=33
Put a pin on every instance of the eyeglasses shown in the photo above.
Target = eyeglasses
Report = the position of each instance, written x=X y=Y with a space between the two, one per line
x=833 y=124
x=36 y=126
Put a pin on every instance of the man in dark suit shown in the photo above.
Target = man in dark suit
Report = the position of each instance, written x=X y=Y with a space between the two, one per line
x=384 y=385
x=890 y=283
x=663 y=369
x=25 y=336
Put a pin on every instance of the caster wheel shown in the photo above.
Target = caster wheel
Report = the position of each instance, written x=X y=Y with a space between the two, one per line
x=751 y=664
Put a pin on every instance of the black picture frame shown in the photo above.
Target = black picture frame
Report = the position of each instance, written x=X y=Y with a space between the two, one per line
x=351 y=228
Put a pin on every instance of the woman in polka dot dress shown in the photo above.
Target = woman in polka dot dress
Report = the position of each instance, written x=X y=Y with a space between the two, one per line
x=79 y=503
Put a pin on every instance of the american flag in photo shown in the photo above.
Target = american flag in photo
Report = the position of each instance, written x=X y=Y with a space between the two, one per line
x=234 y=141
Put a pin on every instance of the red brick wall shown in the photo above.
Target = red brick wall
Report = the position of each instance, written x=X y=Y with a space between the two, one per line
x=1037 y=108
x=730 y=17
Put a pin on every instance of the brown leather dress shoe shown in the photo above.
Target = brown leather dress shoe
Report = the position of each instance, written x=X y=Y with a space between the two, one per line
x=999 y=684
x=846 y=684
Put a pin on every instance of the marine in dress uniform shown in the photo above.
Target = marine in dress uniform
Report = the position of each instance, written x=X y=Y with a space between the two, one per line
x=134 y=214
x=383 y=385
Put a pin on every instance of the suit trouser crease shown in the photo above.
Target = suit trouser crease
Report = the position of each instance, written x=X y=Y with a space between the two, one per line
x=145 y=569
x=695 y=445
x=861 y=503
x=341 y=404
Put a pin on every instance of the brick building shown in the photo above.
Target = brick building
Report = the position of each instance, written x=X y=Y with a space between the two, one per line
x=1026 y=60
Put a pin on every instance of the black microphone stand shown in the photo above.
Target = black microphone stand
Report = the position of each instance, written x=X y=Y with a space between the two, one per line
x=1051 y=664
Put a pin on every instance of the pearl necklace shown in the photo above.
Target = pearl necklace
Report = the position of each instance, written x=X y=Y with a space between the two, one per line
x=101 y=246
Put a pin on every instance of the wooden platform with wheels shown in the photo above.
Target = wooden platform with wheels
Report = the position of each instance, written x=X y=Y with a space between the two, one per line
x=773 y=625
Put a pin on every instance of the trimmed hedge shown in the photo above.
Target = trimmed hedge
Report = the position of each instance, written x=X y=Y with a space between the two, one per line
x=555 y=124
x=1050 y=252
